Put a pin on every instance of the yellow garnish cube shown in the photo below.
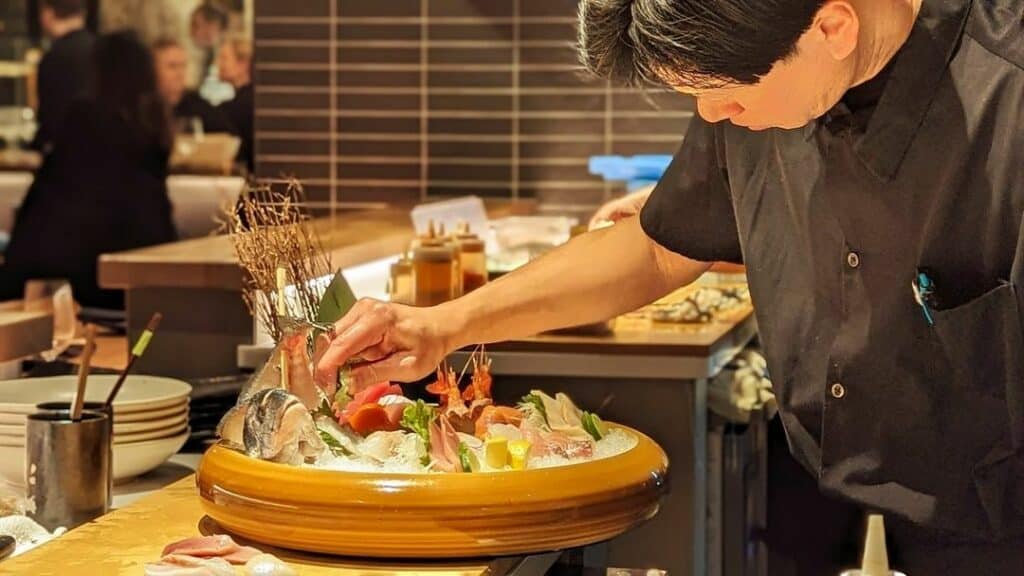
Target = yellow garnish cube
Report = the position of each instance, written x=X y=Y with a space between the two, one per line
x=518 y=450
x=496 y=452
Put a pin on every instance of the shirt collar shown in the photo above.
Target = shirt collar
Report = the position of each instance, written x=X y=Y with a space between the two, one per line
x=915 y=74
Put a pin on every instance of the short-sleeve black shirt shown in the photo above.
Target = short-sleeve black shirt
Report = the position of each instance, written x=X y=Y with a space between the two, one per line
x=921 y=170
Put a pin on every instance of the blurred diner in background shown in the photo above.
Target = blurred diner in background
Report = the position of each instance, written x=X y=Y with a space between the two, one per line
x=123 y=123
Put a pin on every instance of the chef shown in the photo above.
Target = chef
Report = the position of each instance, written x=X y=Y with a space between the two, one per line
x=863 y=158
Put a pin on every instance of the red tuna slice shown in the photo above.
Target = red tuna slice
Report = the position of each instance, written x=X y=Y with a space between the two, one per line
x=368 y=396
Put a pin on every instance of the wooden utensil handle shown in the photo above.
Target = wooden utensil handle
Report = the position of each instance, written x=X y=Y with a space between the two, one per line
x=83 y=371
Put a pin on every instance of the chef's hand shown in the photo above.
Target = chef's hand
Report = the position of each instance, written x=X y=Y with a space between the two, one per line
x=628 y=205
x=387 y=342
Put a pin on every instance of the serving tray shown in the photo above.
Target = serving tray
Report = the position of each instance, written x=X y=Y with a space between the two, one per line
x=387 y=515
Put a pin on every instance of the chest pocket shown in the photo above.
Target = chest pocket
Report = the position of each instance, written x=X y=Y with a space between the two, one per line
x=984 y=344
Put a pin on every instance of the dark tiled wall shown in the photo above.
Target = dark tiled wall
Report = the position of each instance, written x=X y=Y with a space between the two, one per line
x=369 y=100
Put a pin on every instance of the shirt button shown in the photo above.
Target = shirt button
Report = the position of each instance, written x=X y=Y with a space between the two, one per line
x=838 y=391
x=853 y=259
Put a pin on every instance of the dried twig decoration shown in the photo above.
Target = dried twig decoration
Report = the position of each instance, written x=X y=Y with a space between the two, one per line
x=271 y=228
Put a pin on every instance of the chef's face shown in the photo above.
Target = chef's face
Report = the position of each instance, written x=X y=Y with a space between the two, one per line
x=171 y=72
x=799 y=88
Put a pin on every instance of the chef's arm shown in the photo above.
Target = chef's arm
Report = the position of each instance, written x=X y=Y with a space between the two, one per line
x=594 y=277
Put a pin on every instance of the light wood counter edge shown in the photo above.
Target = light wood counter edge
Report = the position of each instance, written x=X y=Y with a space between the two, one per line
x=123 y=541
x=352 y=238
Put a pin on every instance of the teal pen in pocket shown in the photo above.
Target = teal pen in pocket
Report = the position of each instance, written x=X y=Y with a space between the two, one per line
x=924 y=295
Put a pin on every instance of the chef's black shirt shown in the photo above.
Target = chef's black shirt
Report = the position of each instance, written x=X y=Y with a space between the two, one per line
x=919 y=171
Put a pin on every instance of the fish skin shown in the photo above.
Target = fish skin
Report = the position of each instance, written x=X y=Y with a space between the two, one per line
x=278 y=427
x=231 y=427
x=263 y=420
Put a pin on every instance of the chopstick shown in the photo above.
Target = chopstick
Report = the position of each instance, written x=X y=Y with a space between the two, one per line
x=83 y=372
x=282 y=312
x=137 y=351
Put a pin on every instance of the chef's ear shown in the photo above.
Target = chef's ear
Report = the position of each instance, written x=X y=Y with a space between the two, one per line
x=838 y=25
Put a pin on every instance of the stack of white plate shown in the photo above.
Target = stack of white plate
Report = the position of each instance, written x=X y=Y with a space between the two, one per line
x=150 y=419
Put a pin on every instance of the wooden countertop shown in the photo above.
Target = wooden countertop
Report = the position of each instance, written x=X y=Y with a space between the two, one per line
x=635 y=334
x=123 y=541
x=352 y=238
x=632 y=336
x=24 y=333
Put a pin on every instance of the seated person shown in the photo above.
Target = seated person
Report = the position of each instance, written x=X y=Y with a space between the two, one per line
x=186 y=105
x=103 y=187
x=235 y=66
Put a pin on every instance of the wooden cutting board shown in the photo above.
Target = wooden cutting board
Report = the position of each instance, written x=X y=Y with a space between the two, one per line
x=123 y=541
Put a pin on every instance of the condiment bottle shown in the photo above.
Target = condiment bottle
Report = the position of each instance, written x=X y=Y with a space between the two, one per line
x=432 y=264
x=400 y=288
x=472 y=259
x=452 y=242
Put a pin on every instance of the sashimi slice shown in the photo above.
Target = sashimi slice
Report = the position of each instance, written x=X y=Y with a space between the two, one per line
x=548 y=443
x=186 y=565
x=242 y=555
x=492 y=415
x=370 y=395
x=204 y=546
x=394 y=413
x=444 y=445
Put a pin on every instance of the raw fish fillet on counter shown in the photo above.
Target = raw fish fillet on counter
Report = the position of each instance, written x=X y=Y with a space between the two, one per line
x=215 y=555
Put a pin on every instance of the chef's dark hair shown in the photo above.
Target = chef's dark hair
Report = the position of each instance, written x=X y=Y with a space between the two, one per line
x=64 y=8
x=126 y=87
x=693 y=43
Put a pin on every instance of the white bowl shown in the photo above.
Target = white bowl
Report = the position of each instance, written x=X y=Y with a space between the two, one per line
x=120 y=417
x=139 y=393
x=130 y=460
x=180 y=418
x=151 y=434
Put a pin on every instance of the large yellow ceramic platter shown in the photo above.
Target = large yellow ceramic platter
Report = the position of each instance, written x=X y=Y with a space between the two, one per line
x=432 y=515
x=376 y=474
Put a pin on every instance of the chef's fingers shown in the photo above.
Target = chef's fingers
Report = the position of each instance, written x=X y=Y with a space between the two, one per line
x=400 y=367
x=375 y=353
x=359 y=310
x=367 y=332
x=320 y=345
x=327 y=380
